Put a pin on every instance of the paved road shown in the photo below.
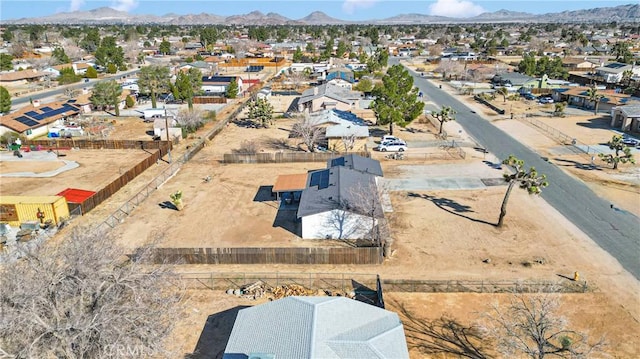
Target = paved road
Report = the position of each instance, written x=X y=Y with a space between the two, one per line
x=616 y=231
x=59 y=90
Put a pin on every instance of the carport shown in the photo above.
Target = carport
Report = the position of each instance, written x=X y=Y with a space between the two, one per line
x=288 y=188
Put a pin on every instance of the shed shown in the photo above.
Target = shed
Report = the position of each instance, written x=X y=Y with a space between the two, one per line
x=17 y=209
x=76 y=198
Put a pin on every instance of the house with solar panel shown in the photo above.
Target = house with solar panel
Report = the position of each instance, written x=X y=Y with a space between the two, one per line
x=316 y=327
x=36 y=120
x=342 y=201
x=613 y=72
x=217 y=85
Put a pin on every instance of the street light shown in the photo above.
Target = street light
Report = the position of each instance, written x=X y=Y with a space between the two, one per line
x=166 y=128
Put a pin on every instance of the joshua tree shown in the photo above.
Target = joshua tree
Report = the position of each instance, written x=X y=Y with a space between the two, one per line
x=176 y=199
x=559 y=111
x=594 y=97
x=614 y=158
x=445 y=115
x=529 y=180
x=504 y=92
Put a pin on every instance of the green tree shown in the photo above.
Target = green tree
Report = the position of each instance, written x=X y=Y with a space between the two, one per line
x=529 y=180
x=152 y=80
x=129 y=101
x=59 y=56
x=232 y=89
x=106 y=94
x=208 y=36
x=187 y=85
x=364 y=85
x=112 y=68
x=68 y=76
x=165 y=47
x=91 y=73
x=595 y=97
x=109 y=53
x=445 y=115
x=5 y=100
x=7 y=35
x=621 y=51
x=341 y=49
x=91 y=39
x=528 y=65
x=262 y=111
x=396 y=99
x=297 y=55
x=6 y=62
x=622 y=153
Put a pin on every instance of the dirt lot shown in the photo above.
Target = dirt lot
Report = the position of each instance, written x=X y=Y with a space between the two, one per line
x=97 y=168
x=439 y=234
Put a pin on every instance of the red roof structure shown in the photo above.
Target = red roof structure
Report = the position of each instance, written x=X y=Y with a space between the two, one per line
x=74 y=195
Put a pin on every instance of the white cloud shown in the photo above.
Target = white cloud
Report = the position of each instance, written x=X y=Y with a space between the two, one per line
x=76 y=5
x=350 y=6
x=124 y=5
x=455 y=8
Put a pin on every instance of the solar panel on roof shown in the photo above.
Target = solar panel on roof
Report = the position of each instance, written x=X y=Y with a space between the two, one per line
x=324 y=179
x=71 y=101
x=31 y=113
x=46 y=108
x=26 y=121
x=615 y=65
x=337 y=161
x=315 y=179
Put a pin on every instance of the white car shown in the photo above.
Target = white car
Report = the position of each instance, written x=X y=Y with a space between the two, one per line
x=394 y=146
x=388 y=139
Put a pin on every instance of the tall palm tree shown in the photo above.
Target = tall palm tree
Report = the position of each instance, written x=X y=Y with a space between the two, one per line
x=153 y=79
x=595 y=97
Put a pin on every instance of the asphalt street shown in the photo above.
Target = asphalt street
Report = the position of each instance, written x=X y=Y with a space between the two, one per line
x=616 y=231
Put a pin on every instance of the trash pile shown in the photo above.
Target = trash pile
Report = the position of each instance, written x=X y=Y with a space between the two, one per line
x=259 y=289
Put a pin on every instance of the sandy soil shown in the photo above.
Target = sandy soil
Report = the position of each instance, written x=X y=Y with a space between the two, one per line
x=440 y=234
x=97 y=169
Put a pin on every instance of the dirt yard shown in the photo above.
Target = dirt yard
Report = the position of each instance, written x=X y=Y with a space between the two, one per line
x=438 y=234
x=97 y=168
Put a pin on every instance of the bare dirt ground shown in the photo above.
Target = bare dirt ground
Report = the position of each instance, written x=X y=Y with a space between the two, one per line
x=97 y=169
x=439 y=234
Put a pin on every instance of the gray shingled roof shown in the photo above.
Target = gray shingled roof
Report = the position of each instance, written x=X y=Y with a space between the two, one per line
x=332 y=91
x=346 y=189
x=358 y=163
x=631 y=110
x=317 y=327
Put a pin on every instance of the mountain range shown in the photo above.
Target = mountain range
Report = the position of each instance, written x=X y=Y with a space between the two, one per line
x=106 y=15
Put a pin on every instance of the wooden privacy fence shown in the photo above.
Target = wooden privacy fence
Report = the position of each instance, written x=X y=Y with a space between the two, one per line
x=100 y=144
x=357 y=281
x=209 y=99
x=108 y=190
x=282 y=157
x=269 y=255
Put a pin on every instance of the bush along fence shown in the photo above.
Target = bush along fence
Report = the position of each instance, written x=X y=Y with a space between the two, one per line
x=282 y=157
x=348 y=281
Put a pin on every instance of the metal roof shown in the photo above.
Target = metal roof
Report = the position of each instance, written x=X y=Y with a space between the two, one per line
x=317 y=327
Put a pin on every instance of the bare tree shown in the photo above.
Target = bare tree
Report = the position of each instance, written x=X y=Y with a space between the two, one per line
x=190 y=120
x=308 y=130
x=530 y=325
x=450 y=68
x=84 y=297
x=348 y=142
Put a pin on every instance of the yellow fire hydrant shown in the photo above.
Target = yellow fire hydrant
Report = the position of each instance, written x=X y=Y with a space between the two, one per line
x=576 y=276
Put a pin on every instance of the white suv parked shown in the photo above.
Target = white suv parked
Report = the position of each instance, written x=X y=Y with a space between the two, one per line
x=393 y=146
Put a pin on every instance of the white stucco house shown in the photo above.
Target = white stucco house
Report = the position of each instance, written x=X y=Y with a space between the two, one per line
x=341 y=202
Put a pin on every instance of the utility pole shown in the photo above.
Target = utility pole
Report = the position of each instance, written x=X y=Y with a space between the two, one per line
x=166 y=128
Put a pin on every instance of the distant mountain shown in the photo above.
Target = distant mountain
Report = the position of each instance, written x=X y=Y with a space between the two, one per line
x=106 y=15
x=320 y=18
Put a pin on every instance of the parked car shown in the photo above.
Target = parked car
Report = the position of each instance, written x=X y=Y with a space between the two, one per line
x=630 y=141
x=393 y=146
x=545 y=100
x=529 y=96
x=389 y=138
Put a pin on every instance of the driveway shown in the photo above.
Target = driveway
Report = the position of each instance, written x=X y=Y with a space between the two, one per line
x=445 y=176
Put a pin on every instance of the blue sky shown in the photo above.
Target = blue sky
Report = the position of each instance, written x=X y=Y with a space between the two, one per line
x=295 y=9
